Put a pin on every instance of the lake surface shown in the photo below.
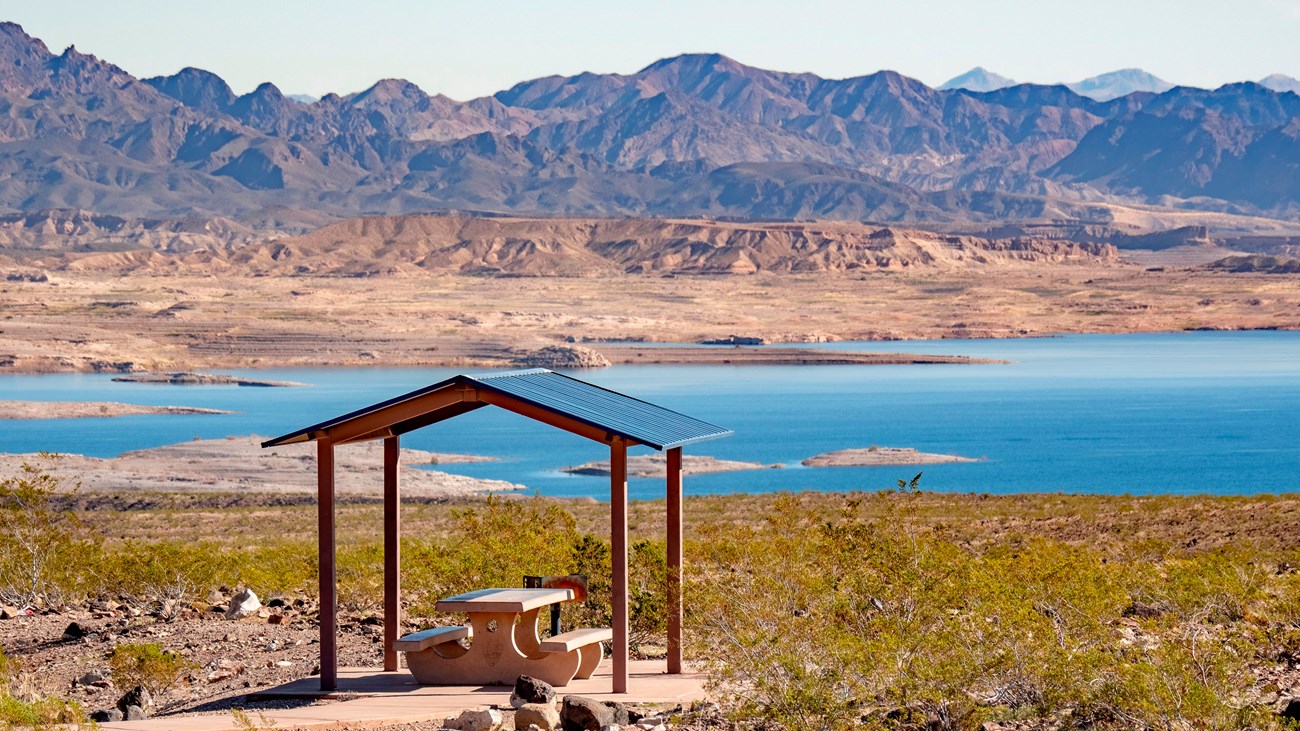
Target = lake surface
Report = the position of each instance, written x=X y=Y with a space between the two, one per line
x=1203 y=412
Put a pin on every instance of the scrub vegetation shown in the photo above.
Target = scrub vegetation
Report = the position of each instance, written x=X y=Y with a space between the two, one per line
x=894 y=609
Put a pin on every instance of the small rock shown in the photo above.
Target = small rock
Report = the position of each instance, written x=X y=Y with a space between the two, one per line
x=8 y=612
x=284 y=663
x=215 y=597
x=90 y=679
x=276 y=619
x=539 y=715
x=1291 y=711
x=243 y=604
x=134 y=713
x=112 y=715
x=531 y=690
x=477 y=719
x=137 y=696
x=589 y=714
x=74 y=631
x=611 y=727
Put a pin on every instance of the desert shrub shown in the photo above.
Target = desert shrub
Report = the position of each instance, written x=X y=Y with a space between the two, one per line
x=42 y=713
x=492 y=545
x=863 y=619
x=43 y=550
x=147 y=664
x=32 y=712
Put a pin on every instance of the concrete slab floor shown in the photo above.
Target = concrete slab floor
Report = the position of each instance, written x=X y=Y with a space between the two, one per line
x=371 y=698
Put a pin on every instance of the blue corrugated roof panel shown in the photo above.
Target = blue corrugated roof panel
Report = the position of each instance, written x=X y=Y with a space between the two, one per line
x=610 y=411
x=647 y=423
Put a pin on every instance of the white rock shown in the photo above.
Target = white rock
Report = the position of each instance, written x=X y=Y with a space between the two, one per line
x=478 y=719
x=542 y=715
x=243 y=604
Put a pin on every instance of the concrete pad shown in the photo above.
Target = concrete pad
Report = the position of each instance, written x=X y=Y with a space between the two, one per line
x=371 y=698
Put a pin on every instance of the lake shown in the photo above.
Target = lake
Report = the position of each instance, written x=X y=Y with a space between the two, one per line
x=1201 y=412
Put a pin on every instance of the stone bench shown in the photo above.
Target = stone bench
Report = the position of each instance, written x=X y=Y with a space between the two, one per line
x=435 y=637
x=585 y=641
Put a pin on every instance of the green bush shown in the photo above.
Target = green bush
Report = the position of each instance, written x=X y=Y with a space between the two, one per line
x=43 y=550
x=44 y=713
x=147 y=664
x=843 y=621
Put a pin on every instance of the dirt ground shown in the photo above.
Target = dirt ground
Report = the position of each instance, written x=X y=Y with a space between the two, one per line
x=90 y=321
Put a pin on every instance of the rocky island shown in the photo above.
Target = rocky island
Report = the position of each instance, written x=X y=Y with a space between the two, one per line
x=881 y=457
x=655 y=465
x=13 y=410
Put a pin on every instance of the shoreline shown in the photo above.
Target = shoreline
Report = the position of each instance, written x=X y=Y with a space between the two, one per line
x=93 y=323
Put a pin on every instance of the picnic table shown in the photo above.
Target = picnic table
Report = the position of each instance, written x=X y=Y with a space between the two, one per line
x=504 y=642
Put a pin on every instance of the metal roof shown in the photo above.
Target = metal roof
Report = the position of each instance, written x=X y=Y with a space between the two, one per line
x=610 y=411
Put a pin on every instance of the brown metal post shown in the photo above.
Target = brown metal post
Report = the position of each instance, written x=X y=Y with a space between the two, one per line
x=329 y=652
x=392 y=552
x=618 y=546
x=675 y=560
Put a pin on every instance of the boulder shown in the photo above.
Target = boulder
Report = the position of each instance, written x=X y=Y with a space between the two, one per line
x=243 y=604
x=134 y=713
x=588 y=714
x=1291 y=710
x=561 y=356
x=476 y=719
x=542 y=715
x=111 y=715
x=137 y=696
x=531 y=690
x=74 y=631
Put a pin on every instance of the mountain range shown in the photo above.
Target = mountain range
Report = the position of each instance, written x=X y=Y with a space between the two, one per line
x=693 y=135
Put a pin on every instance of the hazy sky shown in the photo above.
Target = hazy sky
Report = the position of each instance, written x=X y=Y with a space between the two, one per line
x=468 y=49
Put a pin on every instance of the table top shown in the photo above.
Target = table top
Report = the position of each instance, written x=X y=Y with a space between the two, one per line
x=503 y=600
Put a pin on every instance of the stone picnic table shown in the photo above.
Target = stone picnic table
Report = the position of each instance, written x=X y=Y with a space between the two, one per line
x=504 y=642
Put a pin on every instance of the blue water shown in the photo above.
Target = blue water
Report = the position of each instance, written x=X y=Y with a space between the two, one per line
x=1166 y=413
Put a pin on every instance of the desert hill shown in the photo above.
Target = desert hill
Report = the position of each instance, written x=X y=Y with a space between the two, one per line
x=473 y=245
x=693 y=135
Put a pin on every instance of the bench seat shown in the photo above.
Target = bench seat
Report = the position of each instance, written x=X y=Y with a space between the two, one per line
x=574 y=639
x=425 y=639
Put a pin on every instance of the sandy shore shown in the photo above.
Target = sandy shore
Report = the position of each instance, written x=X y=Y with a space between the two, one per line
x=203 y=379
x=92 y=322
x=747 y=355
x=240 y=464
x=879 y=457
x=90 y=409
x=655 y=465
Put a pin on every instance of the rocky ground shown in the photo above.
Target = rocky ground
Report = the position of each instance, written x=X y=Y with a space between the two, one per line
x=65 y=653
x=232 y=646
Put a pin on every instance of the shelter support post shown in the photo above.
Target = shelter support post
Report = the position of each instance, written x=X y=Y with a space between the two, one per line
x=618 y=546
x=329 y=652
x=675 y=560
x=392 y=551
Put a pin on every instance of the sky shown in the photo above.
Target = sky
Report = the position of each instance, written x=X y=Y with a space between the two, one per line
x=471 y=49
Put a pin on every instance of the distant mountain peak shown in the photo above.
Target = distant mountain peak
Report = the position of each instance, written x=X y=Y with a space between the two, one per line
x=1281 y=83
x=1115 y=84
x=195 y=88
x=978 y=79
